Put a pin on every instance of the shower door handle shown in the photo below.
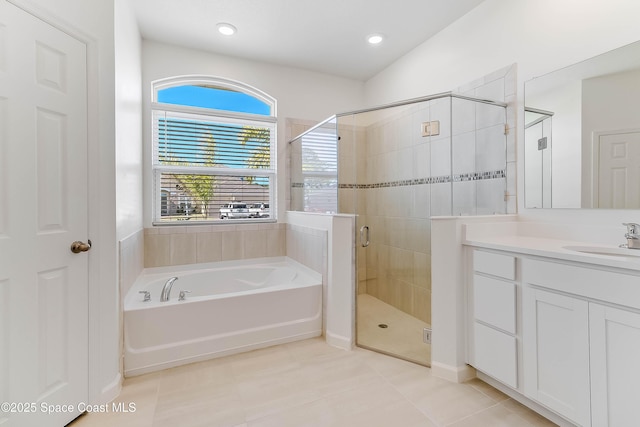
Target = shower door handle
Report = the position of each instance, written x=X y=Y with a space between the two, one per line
x=364 y=242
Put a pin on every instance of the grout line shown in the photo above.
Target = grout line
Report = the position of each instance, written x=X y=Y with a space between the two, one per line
x=386 y=380
x=473 y=415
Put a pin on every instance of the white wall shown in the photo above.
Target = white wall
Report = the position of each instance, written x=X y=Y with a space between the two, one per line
x=93 y=23
x=449 y=311
x=128 y=99
x=610 y=103
x=300 y=94
x=539 y=35
x=339 y=301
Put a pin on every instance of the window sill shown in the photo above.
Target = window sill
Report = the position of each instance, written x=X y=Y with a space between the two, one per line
x=216 y=222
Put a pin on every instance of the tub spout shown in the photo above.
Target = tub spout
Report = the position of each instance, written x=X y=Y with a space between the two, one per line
x=166 y=290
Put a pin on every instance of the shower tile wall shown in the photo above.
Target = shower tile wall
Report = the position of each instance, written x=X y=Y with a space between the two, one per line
x=501 y=85
x=478 y=148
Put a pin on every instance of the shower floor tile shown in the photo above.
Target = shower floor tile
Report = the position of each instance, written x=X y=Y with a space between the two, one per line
x=402 y=336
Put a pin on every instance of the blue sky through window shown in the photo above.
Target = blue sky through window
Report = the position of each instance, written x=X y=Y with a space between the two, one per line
x=208 y=97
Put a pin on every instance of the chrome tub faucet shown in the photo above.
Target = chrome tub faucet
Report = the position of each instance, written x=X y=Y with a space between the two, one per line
x=632 y=235
x=166 y=290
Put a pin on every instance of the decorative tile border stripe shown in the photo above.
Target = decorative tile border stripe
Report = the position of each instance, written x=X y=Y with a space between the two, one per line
x=477 y=176
x=316 y=185
x=474 y=176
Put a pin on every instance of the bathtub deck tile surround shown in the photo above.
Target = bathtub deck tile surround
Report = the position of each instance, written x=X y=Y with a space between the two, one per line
x=178 y=245
x=309 y=383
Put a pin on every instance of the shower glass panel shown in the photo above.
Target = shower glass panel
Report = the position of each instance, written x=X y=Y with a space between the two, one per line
x=397 y=166
x=478 y=158
x=394 y=187
x=313 y=169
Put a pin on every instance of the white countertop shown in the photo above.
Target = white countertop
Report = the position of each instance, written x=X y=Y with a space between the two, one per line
x=553 y=248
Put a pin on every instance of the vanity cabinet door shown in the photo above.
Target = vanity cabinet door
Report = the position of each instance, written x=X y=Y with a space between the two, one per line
x=615 y=371
x=555 y=340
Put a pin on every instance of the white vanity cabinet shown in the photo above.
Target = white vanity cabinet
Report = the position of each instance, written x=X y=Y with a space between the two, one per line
x=581 y=341
x=494 y=330
x=564 y=334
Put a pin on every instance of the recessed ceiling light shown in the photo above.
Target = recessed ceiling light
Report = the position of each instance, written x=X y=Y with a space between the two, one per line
x=226 y=29
x=375 y=38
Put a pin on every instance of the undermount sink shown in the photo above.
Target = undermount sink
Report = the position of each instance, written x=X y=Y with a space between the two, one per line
x=603 y=250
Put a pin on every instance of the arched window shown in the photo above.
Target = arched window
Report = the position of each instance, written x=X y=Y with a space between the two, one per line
x=213 y=151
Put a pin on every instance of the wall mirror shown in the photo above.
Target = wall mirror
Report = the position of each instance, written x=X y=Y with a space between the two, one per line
x=582 y=134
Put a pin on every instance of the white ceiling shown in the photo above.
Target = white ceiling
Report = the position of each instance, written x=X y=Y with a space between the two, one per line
x=327 y=36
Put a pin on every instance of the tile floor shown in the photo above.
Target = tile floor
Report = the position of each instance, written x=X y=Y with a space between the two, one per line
x=402 y=337
x=308 y=383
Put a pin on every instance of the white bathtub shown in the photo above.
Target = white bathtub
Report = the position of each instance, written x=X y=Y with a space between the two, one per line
x=233 y=306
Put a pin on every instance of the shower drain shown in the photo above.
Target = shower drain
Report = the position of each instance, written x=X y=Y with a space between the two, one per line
x=383 y=325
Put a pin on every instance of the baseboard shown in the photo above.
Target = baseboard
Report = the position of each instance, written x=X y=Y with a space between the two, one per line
x=110 y=391
x=552 y=416
x=456 y=374
x=339 y=341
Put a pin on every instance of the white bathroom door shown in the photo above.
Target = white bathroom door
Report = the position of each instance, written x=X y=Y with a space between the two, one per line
x=618 y=173
x=43 y=209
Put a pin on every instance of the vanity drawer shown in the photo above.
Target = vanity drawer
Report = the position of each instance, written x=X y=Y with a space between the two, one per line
x=494 y=302
x=494 y=264
x=495 y=354
x=613 y=287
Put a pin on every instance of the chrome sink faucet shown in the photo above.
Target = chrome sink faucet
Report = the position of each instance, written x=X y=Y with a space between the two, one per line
x=166 y=290
x=632 y=235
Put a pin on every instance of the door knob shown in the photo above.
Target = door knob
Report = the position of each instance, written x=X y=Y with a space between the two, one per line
x=78 y=246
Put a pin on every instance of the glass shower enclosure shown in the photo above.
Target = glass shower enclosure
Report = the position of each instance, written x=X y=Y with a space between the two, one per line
x=395 y=167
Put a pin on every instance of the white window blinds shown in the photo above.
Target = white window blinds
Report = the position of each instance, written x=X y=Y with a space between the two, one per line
x=202 y=163
x=320 y=171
